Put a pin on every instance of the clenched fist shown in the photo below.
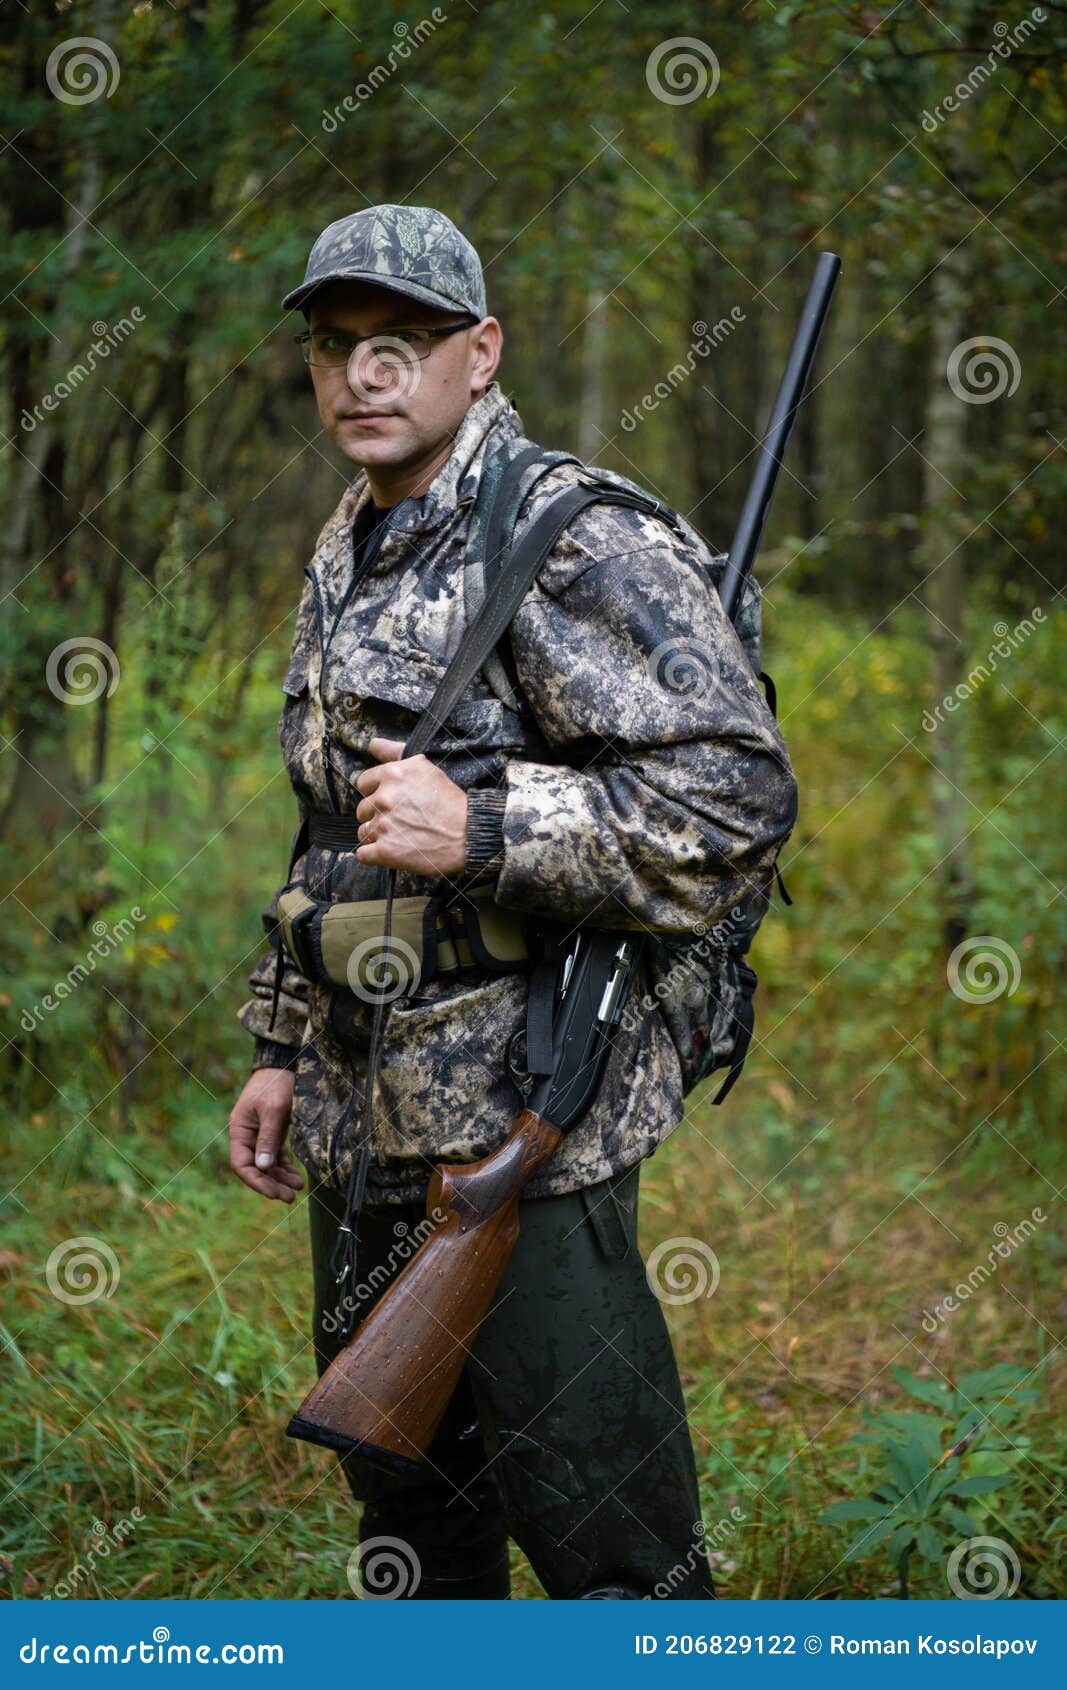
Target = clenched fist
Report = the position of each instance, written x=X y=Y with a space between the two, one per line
x=411 y=815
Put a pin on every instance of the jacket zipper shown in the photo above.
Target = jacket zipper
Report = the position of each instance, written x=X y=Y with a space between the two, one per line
x=326 y=640
x=326 y=742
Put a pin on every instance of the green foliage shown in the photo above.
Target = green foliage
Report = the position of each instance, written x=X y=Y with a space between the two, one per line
x=938 y=1466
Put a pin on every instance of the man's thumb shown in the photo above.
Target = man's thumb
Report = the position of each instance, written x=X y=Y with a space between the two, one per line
x=270 y=1135
x=386 y=750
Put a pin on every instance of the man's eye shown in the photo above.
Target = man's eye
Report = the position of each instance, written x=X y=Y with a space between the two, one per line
x=334 y=343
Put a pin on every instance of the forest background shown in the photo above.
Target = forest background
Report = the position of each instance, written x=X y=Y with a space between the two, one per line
x=872 y=1365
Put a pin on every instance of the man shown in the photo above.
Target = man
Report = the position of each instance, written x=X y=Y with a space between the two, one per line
x=600 y=790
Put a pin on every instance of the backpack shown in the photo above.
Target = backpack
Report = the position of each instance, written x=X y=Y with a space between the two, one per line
x=701 y=981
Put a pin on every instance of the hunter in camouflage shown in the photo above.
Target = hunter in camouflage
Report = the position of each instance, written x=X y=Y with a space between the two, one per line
x=640 y=781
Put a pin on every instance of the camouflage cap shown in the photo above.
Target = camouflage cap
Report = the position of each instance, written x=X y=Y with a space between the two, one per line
x=410 y=248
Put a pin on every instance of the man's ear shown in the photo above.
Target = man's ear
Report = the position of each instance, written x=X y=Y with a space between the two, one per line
x=487 y=346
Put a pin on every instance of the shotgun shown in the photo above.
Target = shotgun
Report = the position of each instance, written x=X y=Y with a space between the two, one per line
x=384 y=1394
x=386 y=1391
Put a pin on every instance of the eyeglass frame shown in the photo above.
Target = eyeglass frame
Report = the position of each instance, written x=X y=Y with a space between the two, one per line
x=304 y=339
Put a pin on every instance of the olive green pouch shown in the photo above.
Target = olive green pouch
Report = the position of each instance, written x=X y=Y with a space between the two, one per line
x=344 y=944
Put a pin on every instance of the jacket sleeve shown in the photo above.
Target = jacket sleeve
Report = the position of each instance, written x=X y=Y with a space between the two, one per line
x=674 y=792
x=292 y=1011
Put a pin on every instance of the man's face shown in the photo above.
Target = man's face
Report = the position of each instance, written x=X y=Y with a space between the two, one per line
x=388 y=410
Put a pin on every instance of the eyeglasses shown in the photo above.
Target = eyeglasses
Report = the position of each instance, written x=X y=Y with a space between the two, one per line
x=331 y=349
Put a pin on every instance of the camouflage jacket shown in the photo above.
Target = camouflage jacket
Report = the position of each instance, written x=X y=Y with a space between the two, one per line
x=621 y=796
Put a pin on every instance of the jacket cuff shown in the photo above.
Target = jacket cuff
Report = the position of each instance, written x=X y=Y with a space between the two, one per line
x=485 y=828
x=269 y=1054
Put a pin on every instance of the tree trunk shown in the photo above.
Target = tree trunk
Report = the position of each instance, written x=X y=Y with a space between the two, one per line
x=593 y=432
x=944 y=592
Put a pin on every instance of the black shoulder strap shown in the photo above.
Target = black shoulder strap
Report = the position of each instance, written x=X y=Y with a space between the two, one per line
x=517 y=569
x=508 y=496
x=505 y=486
x=503 y=489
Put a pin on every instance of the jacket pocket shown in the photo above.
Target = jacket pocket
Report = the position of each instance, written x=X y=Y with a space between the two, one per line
x=371 y=688
x=444 y=1091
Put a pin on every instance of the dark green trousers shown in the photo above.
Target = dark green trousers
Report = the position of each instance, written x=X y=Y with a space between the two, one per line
x=567 y=1431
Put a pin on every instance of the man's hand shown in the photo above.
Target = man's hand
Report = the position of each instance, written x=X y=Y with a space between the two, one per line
x=258 y=1125
x=411 y=815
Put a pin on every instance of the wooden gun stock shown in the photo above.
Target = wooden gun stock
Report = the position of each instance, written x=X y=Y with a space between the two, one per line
x=386 y=1391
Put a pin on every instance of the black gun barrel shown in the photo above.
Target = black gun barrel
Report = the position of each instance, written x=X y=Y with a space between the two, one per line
x=773 y=446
